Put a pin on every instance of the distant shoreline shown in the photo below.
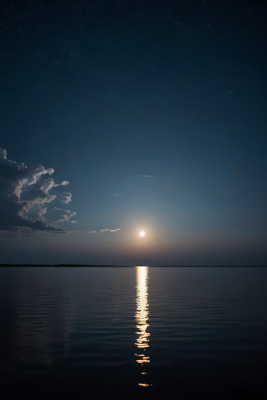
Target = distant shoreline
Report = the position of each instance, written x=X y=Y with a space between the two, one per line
x=132 y=266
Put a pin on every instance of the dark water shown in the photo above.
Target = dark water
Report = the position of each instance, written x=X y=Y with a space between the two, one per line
x=133 y=332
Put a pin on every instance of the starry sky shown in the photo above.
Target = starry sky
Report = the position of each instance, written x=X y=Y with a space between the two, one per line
x=122 y=116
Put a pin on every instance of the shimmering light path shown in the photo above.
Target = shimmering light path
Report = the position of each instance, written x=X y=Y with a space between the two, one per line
x=142 y=342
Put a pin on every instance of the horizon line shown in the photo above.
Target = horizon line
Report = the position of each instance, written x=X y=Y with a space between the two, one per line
x=131 y=266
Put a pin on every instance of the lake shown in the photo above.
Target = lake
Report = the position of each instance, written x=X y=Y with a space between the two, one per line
x=149 y=332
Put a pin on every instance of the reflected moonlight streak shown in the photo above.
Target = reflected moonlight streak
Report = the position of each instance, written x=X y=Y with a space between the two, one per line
x=141 y=315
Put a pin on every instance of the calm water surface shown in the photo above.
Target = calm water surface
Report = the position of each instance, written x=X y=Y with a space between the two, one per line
x=133 y=331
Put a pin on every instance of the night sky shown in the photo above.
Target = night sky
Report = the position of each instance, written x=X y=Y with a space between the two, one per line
x=129 y=116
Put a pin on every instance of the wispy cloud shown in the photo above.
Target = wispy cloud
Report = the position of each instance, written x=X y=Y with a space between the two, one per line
x=110 y=230
x=60 y=215
x=66 y=197
x=115 y=194
x=91 y=232
x=147 y=176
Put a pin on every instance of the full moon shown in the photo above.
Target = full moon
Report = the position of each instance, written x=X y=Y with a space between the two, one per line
x=142 y=233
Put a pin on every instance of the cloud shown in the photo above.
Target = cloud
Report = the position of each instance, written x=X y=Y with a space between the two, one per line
x=115 y=194
x=147 y=176
x=49 y=184
x=60 y=215
x=24 y=194
x=110 y=230
x=67 y=197
x=106 y=230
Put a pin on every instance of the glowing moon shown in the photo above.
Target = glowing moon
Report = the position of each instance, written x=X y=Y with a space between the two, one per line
x=142 y=233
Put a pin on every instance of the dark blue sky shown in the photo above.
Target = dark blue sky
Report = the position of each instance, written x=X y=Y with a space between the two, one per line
x=154 y=112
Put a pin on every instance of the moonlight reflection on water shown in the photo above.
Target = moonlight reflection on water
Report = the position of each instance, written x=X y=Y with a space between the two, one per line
x=141 y=316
